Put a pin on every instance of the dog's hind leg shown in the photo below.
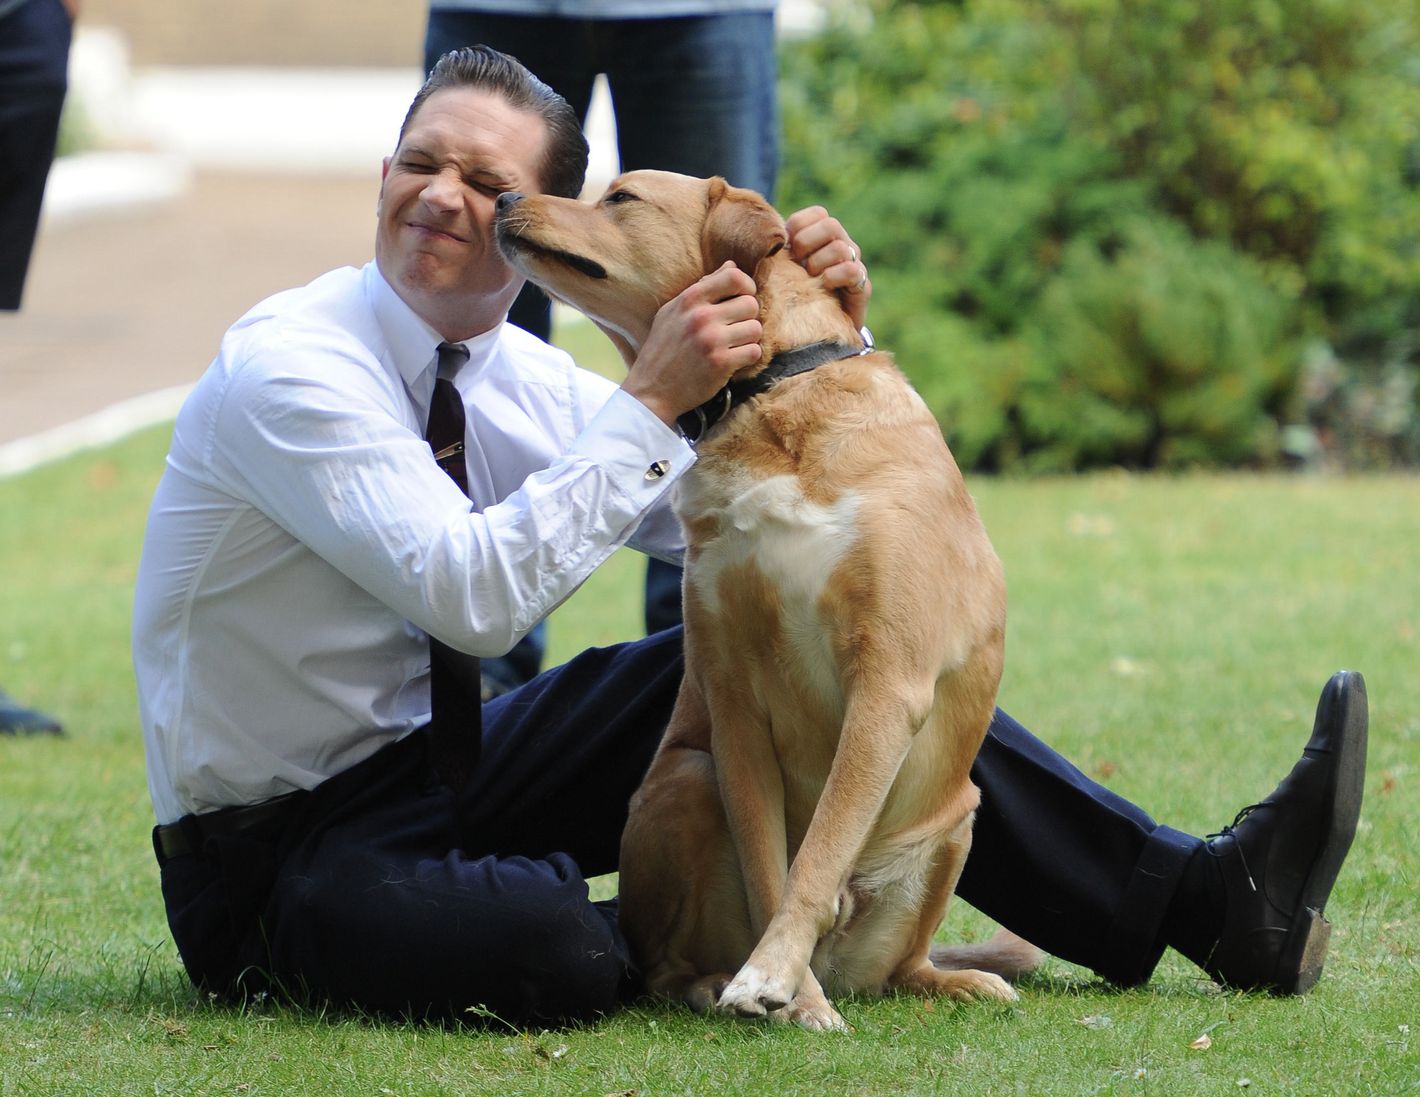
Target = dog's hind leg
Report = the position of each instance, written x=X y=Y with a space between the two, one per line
x=683 y=906
x=917 y=973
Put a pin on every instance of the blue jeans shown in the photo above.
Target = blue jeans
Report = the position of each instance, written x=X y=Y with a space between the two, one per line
x=692 y=94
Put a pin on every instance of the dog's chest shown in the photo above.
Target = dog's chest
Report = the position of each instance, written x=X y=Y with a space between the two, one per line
x=738 y=521
x=762 y=553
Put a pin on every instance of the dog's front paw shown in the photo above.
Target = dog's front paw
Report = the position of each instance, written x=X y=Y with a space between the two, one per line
x=755 y=993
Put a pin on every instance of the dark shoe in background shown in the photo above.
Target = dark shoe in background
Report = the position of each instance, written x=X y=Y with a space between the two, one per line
x=16 y=719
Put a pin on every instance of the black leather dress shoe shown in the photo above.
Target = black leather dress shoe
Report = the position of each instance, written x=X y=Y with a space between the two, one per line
x=1279 y=858
x=16 y=719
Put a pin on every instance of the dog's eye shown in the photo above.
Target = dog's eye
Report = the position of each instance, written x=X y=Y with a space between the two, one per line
x=618 y=196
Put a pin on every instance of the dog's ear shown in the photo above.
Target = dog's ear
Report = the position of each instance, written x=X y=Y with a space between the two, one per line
x=739 y=225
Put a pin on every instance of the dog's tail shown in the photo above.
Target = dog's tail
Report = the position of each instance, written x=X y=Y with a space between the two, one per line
x=1005 y=954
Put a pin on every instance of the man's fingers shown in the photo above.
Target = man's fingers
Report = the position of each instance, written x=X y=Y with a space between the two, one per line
x=721 y=337
x=842 y=267
x=744 y=306
x=711 y=324
x=744 y=336
x=723 y=311
x=809 y=229
x=823 y=247
x=726 y=283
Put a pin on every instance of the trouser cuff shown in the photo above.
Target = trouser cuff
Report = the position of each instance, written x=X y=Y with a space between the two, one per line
x=1137 y=932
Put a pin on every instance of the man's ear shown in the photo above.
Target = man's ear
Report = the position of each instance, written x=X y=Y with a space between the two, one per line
x=740 y=225
x=380 y=195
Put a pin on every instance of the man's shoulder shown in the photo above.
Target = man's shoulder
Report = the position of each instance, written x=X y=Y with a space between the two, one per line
x=317 y=343
x=329 y=315
x=535 y=360
x=527 y=347
x=334 y=298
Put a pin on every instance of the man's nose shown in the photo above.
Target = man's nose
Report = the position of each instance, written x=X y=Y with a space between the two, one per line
x=442 y=191
x=506 y=199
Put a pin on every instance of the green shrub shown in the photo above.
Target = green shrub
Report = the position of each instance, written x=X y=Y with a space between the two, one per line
x=1180 y=188
x=1286 y=127
x=1168 y=352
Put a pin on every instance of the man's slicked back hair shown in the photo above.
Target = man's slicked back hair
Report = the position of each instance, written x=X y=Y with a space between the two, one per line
x=564 y=161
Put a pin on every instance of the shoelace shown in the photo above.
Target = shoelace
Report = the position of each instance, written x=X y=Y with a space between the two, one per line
x=1227 y=832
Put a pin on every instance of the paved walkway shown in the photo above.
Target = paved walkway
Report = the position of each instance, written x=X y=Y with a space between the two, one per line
x=130 y=303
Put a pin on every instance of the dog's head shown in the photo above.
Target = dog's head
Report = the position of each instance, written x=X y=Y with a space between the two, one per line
x=650 y=236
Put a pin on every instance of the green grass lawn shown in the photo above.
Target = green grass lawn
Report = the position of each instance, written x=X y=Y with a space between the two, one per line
x=1169 y=635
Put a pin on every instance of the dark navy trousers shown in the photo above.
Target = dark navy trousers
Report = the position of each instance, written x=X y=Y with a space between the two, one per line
x=384 y=890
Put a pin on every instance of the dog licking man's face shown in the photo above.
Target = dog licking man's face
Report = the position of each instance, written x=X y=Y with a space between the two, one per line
x=648 y=237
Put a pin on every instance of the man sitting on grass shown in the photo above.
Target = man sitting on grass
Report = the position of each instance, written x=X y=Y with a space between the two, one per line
x=337 y=817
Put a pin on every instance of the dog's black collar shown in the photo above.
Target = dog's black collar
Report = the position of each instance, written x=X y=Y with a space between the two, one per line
x=787 y=363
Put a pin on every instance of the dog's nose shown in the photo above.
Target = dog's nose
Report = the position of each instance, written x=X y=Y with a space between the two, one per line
x=506 y=199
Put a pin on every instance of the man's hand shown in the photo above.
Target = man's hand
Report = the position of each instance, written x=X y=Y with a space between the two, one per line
x=822 y=247
x=698 y=340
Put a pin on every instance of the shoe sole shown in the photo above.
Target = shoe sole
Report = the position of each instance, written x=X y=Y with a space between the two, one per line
x=1302 y=957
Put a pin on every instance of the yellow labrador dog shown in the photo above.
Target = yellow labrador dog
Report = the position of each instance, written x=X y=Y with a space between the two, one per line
x=808 y=813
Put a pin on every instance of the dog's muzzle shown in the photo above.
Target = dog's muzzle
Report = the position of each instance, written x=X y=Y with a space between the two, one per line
x=510 y=239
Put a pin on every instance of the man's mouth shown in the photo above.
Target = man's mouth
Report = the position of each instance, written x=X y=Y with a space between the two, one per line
x=434 y=230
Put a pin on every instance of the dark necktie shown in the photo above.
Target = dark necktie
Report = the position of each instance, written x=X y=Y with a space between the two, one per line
x=456 y=729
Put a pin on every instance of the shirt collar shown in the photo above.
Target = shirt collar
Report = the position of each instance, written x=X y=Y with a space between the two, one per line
x=412 y=344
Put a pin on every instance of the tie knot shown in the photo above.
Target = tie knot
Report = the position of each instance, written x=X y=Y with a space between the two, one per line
x=452 y=356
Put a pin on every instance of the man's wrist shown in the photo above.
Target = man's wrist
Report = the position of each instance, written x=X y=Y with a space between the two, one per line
x=658 y=407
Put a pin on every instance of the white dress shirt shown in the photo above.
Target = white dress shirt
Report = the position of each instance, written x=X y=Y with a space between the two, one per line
x=302 y=542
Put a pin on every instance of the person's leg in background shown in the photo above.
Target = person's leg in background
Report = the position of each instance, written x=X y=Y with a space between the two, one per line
x=696 y=95
x=34 y=57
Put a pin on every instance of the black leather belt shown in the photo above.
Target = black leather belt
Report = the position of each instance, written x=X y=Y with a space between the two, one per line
x=189 y=833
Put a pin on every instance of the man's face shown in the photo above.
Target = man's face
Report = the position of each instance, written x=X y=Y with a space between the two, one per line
x=435 y=242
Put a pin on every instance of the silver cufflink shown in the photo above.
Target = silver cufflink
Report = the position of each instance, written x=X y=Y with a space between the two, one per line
x=657 y=470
